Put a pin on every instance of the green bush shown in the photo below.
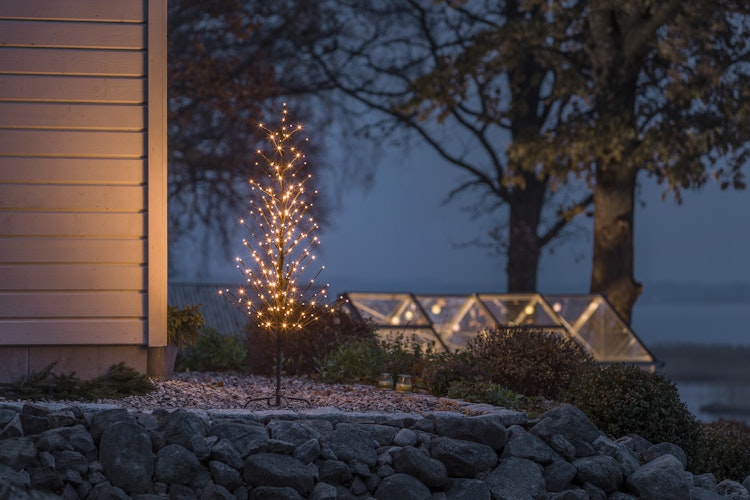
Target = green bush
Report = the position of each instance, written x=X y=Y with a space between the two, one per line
x=444 y=369
x=623 y=399
x=407 y=357
x=184 y=325
x=485 y=392
x=726 y=450
x=531 y=361
x=301 y=349
x=355 y=361
x=213 y=351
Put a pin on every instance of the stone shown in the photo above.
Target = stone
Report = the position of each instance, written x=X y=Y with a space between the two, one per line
x=224 y=451
x=334 y=471
x=660 y=479
x=463 y=458
x=125 y=454
x=733 y=490
x=523 y=444
x=274 y=493
x=17 y=452
x=704 y=494
x=402 y=487
x=246 y=438
x=292 y=431
x=659 y=449
x=405 y=437
x=62 y=418
x=572 y=424
x=225 y=475
x=706 y=481
x=272 y=469
x=517 y=478
x=349 y=442
x=184 y=428
x=466 y=489
x=14 y=428
x=307 y=452
x=626 y=457
x=216 y=492
x=106 y=491
x=558 y=475
x=72 y=460
x=52 y=440
x=602 y=471
x=104 y=419
x=484 y=429
x=175 y=464
x=431 y=472
x=324 y=491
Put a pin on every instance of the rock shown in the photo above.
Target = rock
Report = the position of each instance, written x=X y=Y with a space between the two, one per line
x=292 y=431
x=349 y=442
x=186 y=429
x=14 y=428
x=271 y=469
x=405 y=437
x=246 y=438
x=659 y=449
x=706 y=481
x=274 y=493
x=307 y=452
x=17 y=452
x=175 y=464
x=602 y=471
x=216 y=492
x=334 y=471
x=225 y=452
x=324 y=491
x=428 y=470
x=558 y=475
x=104 y=419
x=523 y=444
x=485 y=429
x=225 y=475
x=571 y=423
x=517 y=478
x=467 y=489
x=733 y=490
x=660 y=479
x=125 y=453
x=463 y=458
x=402 y=487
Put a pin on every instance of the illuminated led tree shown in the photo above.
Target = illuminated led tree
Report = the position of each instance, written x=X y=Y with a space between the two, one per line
x=280 y=293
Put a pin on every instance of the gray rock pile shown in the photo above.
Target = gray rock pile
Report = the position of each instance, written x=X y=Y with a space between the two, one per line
x=115 y=453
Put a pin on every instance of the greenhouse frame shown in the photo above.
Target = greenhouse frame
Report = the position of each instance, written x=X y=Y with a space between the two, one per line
x=447 y=322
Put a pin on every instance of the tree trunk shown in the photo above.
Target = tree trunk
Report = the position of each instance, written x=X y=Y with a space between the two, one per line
x=612 y=265
x=524 y=244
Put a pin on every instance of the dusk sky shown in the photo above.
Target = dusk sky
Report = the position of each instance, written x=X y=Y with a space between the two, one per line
x=399 y=236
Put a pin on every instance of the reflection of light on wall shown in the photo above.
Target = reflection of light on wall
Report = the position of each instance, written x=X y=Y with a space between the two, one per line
x=529 y=310
x=557 y=307
x=408 y=315
x=436 y=309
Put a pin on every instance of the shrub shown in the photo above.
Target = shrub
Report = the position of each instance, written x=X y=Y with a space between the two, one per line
x=624 y=399
x=485 y=392
x=443 y=369
x=300 y=349
x=531 y=361
x=355 y=361
x=183 y=325
x=407 y=357
x=726 y=450
x=213 y=351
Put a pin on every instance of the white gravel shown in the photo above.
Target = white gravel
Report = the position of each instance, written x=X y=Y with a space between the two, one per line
x=222 y=390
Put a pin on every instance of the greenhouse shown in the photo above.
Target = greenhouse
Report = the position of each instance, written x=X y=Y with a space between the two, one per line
x=447 y=322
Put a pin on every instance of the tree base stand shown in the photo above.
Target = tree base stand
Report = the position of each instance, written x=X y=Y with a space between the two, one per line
x=281 y=400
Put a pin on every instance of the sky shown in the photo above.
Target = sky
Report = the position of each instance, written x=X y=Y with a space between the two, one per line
x=400 y=235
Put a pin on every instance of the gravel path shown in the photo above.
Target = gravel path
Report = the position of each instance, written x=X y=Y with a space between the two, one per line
x=231 y=390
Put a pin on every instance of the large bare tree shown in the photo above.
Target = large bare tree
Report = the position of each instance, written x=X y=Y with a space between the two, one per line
x=468 y=80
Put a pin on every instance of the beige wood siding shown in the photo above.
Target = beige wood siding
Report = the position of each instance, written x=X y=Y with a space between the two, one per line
x=80 y=153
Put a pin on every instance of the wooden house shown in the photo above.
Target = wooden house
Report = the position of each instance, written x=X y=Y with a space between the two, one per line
x=83 y=197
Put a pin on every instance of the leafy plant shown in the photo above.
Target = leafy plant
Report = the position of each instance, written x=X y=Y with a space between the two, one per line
x=485 y=392
x=301 y=349
x=213 y=351
x=355 y=361
x=624 y=399
x=532 y=361
x=119 y=382
x=183 y=325
x=444 y=369
x=726 y=450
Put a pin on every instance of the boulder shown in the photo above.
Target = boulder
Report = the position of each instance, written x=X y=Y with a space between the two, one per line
x=661 y=479
x=517 y=479
x=272 y=469
x=428 y=470
x=463 y=458
x=402 y=487
x=125 y=454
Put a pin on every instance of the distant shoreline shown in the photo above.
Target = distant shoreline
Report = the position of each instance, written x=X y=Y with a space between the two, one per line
x=697 y=362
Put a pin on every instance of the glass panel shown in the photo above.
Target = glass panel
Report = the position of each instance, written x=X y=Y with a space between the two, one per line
x=395 y=309
x=423 y=336
x=520 y=310
x=597 y=324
